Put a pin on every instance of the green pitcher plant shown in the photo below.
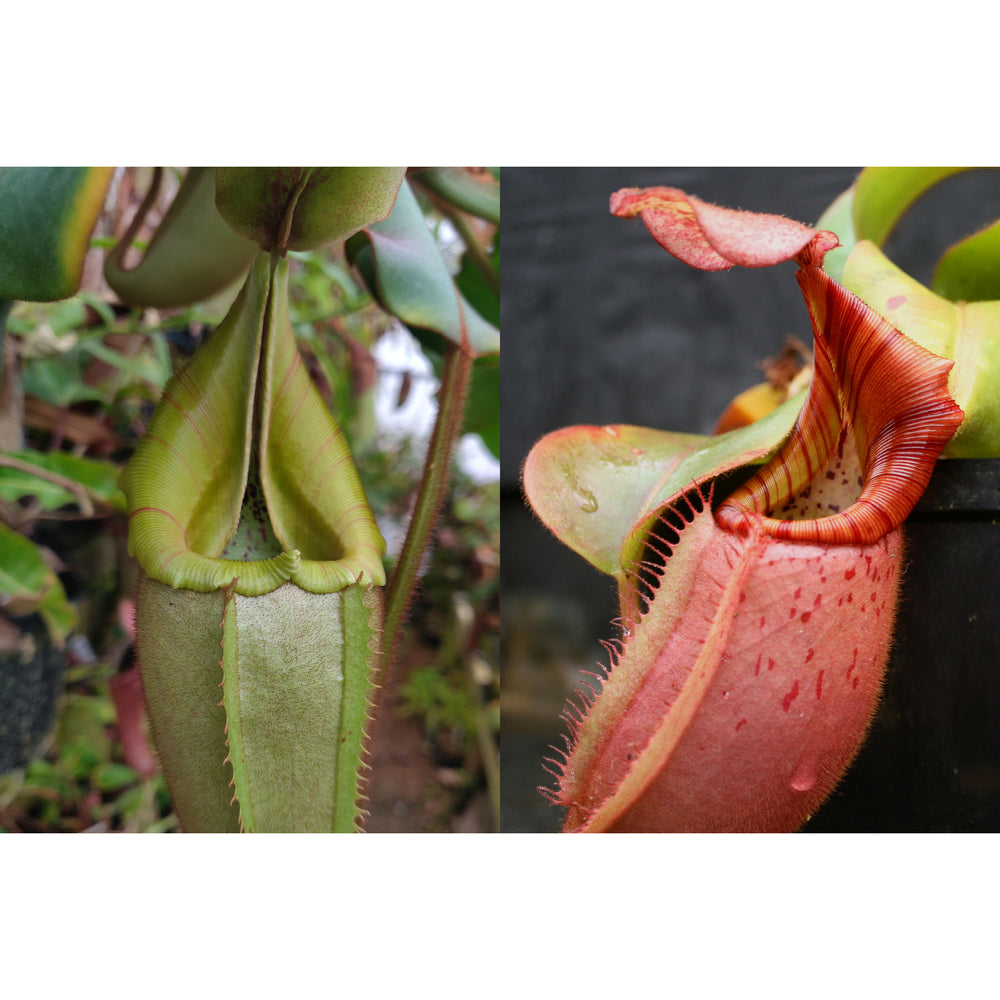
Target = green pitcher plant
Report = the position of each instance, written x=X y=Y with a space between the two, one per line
x=254 y=537
x=259 y=606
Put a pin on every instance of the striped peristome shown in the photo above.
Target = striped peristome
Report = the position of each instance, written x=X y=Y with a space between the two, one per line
x=885 y=390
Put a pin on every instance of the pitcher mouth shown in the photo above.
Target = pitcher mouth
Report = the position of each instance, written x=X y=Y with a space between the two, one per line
x=210 y=477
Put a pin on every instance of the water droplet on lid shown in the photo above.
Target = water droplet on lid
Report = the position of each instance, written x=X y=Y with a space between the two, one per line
x=805 y=774
x=588 y=502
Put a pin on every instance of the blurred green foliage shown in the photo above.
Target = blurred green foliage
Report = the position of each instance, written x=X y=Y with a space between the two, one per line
x=81 y=782
x=456 y=696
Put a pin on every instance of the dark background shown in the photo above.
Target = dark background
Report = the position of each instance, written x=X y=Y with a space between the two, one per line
x=601 y=325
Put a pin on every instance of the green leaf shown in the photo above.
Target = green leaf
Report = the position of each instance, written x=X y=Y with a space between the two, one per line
x=99 y=478
x=883 y=194
x=82 y=735
x=113 y=777
x=151 y=366
x=193 y=254
x=403 y=267
x=41 y=774
x=59 y=380
x=600 y=489
x=28 y=585
x=870 y=208
x=968 y=272
x=46 y=217
x=473 y=285
x=482 y=408
x=327 y=286
x=328 y=204
x=463 y=190
x=61 y=317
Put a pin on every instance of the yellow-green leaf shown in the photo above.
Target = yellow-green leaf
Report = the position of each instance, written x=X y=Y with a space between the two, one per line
x=46 y=217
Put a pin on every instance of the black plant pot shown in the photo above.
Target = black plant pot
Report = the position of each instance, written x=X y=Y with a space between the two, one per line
x=931 y=762
x=30 y=685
